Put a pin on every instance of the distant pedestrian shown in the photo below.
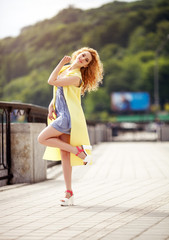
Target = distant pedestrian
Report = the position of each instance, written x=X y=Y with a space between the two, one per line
x=66 y=136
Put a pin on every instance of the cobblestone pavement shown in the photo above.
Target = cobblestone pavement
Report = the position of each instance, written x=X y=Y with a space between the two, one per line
x=124 y=195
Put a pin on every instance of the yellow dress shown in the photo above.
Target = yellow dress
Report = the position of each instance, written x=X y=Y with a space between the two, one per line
x=79 y=133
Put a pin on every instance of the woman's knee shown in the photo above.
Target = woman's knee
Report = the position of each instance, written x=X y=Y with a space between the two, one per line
x=41 y=138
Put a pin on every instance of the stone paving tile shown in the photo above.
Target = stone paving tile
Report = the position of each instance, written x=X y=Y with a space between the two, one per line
x=124 y=195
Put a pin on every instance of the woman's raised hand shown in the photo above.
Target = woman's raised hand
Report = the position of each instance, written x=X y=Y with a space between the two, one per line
x=65 y=60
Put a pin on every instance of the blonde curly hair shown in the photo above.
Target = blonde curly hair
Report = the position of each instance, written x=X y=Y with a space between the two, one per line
x=92 y=75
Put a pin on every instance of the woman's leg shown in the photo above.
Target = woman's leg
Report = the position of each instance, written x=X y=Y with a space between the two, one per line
x=50 y=137
x=67 y=168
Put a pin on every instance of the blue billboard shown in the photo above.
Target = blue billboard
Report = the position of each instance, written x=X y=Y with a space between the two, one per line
x=130 y=101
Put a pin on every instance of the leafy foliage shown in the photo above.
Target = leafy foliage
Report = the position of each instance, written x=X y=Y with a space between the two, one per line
x=126 y=35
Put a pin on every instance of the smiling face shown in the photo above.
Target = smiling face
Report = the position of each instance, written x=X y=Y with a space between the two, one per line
x=84 y=58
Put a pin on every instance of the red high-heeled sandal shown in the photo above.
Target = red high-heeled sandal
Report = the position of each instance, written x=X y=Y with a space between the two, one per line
x=88 y=158
x=67 y=201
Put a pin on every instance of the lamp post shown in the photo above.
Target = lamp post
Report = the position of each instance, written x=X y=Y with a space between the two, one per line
x=156 y=71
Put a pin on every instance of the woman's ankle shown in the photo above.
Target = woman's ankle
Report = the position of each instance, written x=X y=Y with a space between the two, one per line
x=80 y=152
x=69 y=193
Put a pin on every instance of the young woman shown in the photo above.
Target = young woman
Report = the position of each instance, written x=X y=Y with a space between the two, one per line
x=66 y=136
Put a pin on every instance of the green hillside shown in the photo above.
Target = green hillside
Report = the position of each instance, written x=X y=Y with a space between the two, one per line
x=126 y=36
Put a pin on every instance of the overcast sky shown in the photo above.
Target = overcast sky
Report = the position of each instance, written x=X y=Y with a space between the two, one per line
x=16 y=14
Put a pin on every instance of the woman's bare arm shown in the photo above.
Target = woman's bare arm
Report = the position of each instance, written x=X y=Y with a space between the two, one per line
x=53 y=77
x=67 y=81
x=57 y=81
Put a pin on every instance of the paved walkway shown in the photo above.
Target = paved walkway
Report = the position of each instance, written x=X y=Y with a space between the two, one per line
x=123 y=195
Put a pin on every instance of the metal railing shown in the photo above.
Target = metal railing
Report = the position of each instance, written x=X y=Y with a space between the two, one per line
x=10 y=112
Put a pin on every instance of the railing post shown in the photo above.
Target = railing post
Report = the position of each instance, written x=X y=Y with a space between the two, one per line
x=2 y=138
x=8 y=143
x=28 y=115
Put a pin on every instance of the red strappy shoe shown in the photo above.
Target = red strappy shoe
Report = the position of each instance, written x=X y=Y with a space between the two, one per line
x=88 y=158
x=67 y=201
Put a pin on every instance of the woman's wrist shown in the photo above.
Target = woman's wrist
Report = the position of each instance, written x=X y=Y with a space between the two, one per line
x=50 y=105
x=61 y=63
